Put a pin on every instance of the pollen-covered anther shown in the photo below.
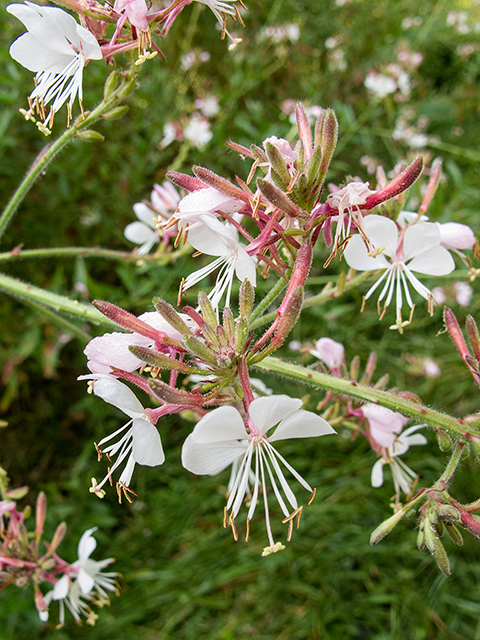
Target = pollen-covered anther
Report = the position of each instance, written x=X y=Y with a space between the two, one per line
x=247 y=534
x=231 y=522
x=99 y=452
x=312 y=497
x=122 y=488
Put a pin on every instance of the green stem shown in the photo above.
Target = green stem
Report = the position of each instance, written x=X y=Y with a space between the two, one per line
x=321 y=298
x=82 y=252
x=58 y=303
x=455 y=458
x=49 y=152
x=276 y=290
x=409 y=408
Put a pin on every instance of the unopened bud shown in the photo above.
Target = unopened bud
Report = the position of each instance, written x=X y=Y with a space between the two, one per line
x=355 y=368
x=129 y=321
x=421 y=539
x=454 y=533
x=241 y=334
x=189 y=183
x=399 y=184
x=455 y=332
x=278 y=166
x=169 y=314
x=444 y=440
x=40 y=605
x=208 y=313
x=219 y=183
x=304 y=131
x=16 y=494
x=247 y=298
x=275 y=196
x=197 y=348
x=58 y=536
x=471 y=523
x=40 y=512
x=386 y=527
x=442 y=559
x=239 y=148
x=88 y=135
x=171 y=395
x=229 y=322
x=432 y=185
x=448 y=512
x=329 y=142
x=259 y=154
x=473 y=337
x=431 y=537
x=317 y=140
x=126 y=89
x=288 y=319
x=110 y=85
x=160 y=360
x=116 y=112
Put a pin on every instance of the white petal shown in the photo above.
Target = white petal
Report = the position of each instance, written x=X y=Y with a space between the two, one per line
x=377 y=473
x=209 y=200
x=210 y=459
x=212 y=237
x=29 y=52
x=302 y=424
x=147 y=446
x=145 y=214
x=85 y=581
x=61 y=587
x=435 y=262
x=382 y=232
x=115 y=392
x=112 y=350
x=138 y=232
x=87 y=545
x=419 y=238
x=265 y=413
x=356 y=256
x=245 y=267
x=220 y=425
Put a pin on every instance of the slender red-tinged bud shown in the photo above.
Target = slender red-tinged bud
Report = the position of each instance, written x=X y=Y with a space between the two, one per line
x=355 y=368
x=275 y=196
x=288 y=319
x=58 y=536
x=210 y=334
x=239 y=148
x=197 y=348
x=247 y=298
x=40 y=604
x=189 y=183
x=219 y=183
x=370 y=368
x=304 y=131
x=208 y=313
x=193 y=314
x=399 y=184
x=313 y=168
x=473 y=337
x=160 y=360
x=169 y=314
x=386 y=527
x=228 y=323
x=442 y=559
x=455 y=332
x=329 y=142
x=471 y=523
x=16 y=494
x=301 y=269
x=432 y=186
x=40 y=513
x=317 y=140
x=166 y=393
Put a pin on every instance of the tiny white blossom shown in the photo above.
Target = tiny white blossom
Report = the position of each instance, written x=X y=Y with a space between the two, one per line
x=380 y=85
x=198 y=131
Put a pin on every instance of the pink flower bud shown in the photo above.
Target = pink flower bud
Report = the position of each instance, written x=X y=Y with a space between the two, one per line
x=330 y=352
x=456 y=236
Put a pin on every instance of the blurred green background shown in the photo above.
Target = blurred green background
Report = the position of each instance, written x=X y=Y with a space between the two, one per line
x=182 y=574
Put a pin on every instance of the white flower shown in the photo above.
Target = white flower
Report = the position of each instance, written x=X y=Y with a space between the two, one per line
x=59 y=594
x=141 y=443
x=56 y=48
x=330 y=352
x=383 y=423
x=216 y=239
x=221 y=437
x=89 y=572
x=198 y=131
x=221 y=9
x=415 y=248
x=463 y=293
x=380 y=85
x=208 y=106
x=403 y=476
x=205 y=201
x=349 y=201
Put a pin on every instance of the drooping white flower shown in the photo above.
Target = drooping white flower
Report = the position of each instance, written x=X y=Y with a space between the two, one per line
x=57 y=49
x=330 y=352
x=222 y=436
x=145 y=232
x=89 y=572
x=141 y=442
x=349 y=201
x=383 y=423
x=414 y=248
x=221 y=9
x=216 y=239
x=59 y=593
x=112 y=349
x=403 y=476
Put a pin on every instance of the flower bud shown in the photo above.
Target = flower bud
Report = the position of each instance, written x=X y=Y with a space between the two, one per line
x=455 y=332
x=16 y=494
x=208 y=313
x=431 y=537
x=275 y=196
x=329 y=142
x=110 y=85
x=196 y=346
x=432 y=185
x=473 y=337
x=442 y=559
x=161 y=360
x=304 y=131
x=219 y=183
x=171 y=395
x=444 y=440
x=40 y=512
x=397 y=185
x=247 y=298
x=421 y=537
x=58 y=536
x=241 y=334
x=169 y=314
x=471 y=523
x=386 y=527
x=288 y=319
x=116 y=112
x=189 y=183
x=355 y=368
x=279 y=168
x=126 y=89
x=454 y=533
x=88 y=135
x=228 y=321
